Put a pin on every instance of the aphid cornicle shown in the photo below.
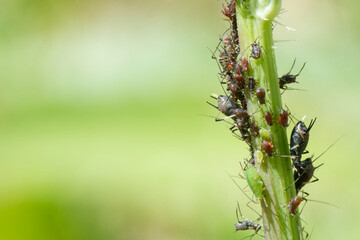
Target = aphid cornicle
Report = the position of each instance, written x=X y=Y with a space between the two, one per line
x=268 y=118
x=268 y=147
x=294 y=204
x=299 y=139
x=284 y=118
x=260 y=94
x=289 y=78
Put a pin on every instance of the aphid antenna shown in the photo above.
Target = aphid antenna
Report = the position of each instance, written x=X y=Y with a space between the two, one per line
x=213 y=57
x=292 y=66
x=331 y=145
x=242 y=216
x=212 y=105
x=311 y=124
x=300 y=70
x=221 y=84
x=282 y=11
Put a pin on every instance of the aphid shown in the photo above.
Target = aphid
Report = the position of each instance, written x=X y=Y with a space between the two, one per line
x=268 y=147
x=226 y=105
x=254 y=180
x=240 y=113
x=240 y=80
x=242 y=65
x=252 y=161
x=235 y=90
x=224 y=59
x=299 y=139
x=304 y=170
x=260 y=93
x=303 y=173
x=246 y=224
x=294 y=203
x=284 y=118
x=255 y=50
x=251 y=84
x=268 y=118
x=254 y=129
x=289 y=78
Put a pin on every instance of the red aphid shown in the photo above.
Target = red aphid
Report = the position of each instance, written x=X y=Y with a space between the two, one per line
x=268 y=118
x=284 y=118
x=268 y=147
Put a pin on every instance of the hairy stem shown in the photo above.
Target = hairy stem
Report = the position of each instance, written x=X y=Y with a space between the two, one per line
x=254 y=21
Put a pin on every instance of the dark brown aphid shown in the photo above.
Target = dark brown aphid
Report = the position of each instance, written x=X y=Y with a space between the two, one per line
x=299 y=139
x=240 y=80
x=251 y=84
x=252 y=161
x=293 y=204
x=235 y=90
x=284 y=118
x=268 y=147
x=289 y=78
x=255 y=129
x=268 y=118
x=260 y=93
x=255 y=50
x=240 y=113
x=303 y=173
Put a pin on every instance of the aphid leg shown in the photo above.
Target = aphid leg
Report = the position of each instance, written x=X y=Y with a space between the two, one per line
x=242 y=190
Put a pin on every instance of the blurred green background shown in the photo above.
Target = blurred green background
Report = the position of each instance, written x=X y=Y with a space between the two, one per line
x=103 y=133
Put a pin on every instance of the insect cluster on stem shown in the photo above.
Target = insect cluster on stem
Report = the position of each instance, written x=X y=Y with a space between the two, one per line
x=243 y=86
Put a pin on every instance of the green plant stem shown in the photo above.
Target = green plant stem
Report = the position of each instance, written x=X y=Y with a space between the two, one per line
x=255 y=24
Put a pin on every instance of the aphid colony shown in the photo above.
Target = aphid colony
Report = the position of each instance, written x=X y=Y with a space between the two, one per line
x=240 y=87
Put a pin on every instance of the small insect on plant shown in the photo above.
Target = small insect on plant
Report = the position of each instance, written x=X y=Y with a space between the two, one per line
x=246 y=224
x=254 y=180
x=304 y=173
x=268 y=147
x=268 y=118
x=299 y=139
x=294 y=204
x=289 y=78
x=255 y=50
x=260 y=94
x=284 y=118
